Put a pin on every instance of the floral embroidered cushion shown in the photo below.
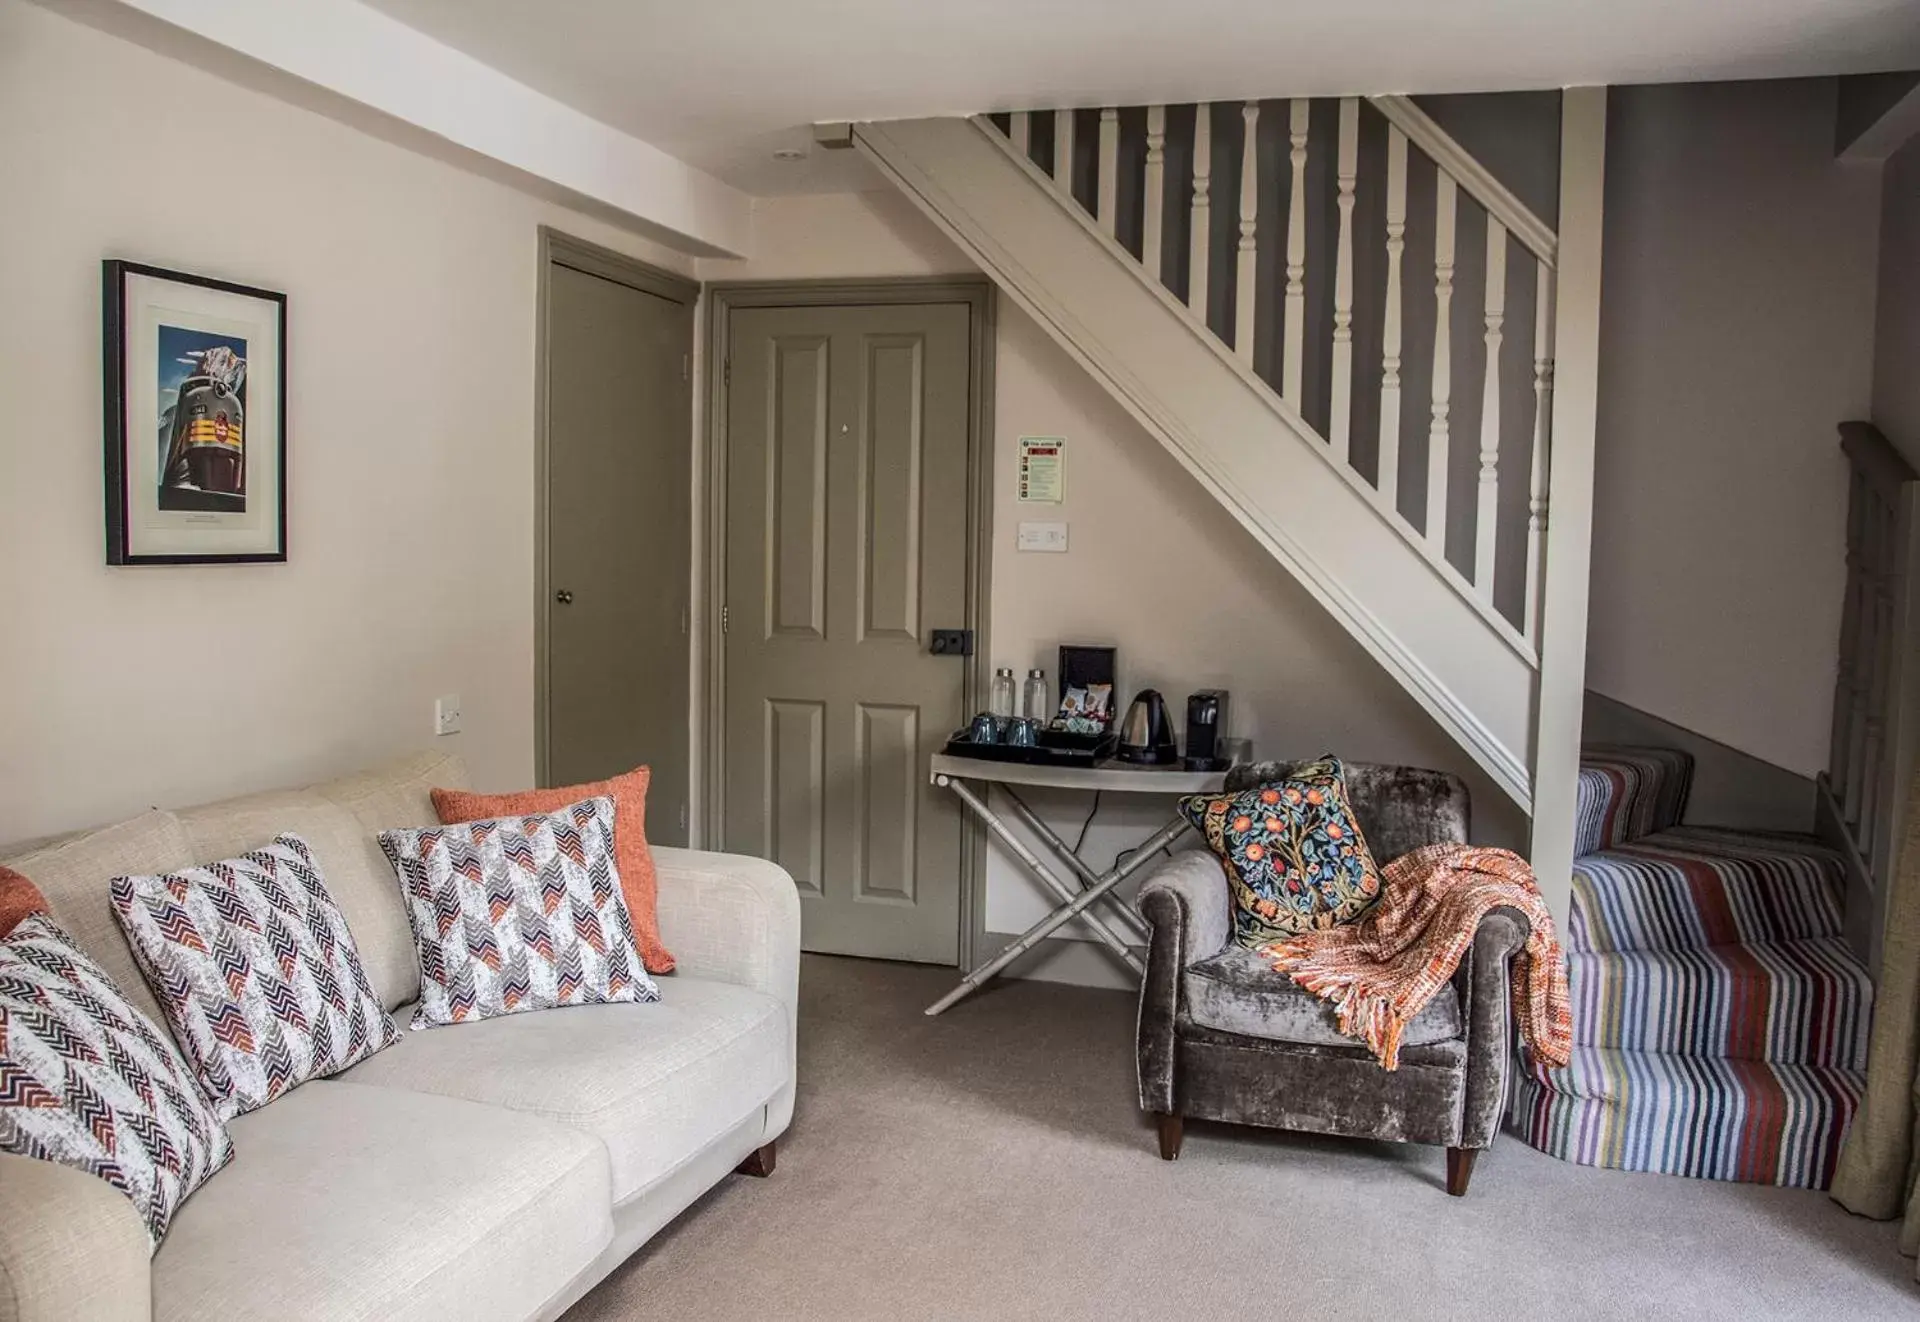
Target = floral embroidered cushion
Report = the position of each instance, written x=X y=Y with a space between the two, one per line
x=1294 y=856
x=518 y=913
x=638 y=879
x=256 y=970
x=88 y=1081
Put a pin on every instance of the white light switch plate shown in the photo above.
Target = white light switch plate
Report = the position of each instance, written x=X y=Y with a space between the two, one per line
x=446 y=714
x=1042 y=537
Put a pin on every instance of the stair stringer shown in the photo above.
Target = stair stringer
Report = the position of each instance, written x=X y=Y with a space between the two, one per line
x=1249 y=450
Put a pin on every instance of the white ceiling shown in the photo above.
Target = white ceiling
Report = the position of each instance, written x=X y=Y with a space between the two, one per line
x=724 y=83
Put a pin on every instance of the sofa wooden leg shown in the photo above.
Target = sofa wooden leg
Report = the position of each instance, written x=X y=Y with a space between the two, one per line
x=759 y=1163
x=1460 y=1169
x=1172 y=1130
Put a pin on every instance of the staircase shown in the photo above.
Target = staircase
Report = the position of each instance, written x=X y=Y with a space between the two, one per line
x=1345 y=328
x=1336 y=319
x=1720 y=1020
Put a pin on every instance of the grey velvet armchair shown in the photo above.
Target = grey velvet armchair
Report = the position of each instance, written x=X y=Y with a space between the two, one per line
x=1222 y=1036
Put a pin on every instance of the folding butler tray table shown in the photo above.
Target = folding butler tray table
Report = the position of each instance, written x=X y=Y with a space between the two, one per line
x=1114 y=777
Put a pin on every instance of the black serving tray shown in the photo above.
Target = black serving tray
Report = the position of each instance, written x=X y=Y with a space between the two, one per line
x=1056 y=748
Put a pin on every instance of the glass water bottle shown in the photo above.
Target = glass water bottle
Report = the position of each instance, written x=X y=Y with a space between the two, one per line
x=1001 y=704
x=1034 y=702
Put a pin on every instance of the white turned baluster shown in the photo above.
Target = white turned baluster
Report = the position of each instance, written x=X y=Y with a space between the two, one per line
x=1155 y=205
x=1020 y=129
x=1446 y=197
x=1199 y=239
x=1487 y=518
x=1388 y=481
x=1109 y=192
x=1063 y=150
x=1341 y=416
x=1542 y=420
x=1293 y=354
x=1245 y=298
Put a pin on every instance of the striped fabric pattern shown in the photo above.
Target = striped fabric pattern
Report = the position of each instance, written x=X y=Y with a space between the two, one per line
x=1626 y=793
x=1757 y=1122
x=1720 y=1021
x=1803 y=1002
x=1699 y=886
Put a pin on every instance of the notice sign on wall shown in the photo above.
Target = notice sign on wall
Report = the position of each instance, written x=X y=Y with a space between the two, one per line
x=1043 y=469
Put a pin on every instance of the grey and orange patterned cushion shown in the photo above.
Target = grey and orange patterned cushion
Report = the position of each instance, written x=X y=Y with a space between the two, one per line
x=88 y=1081
x=256 y=970
x=1293 y=853
x=518 y=913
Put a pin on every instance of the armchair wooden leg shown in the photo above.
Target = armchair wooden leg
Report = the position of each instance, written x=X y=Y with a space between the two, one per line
x=1172 y=1130
x=759 y=1163
x=1460 y=1169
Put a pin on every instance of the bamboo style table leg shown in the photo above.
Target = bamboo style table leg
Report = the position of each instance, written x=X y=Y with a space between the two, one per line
x=1088 y=877
x=1052 y=881
x=1063 y=915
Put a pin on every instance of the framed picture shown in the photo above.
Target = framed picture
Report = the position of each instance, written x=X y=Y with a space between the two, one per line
x=196 y=418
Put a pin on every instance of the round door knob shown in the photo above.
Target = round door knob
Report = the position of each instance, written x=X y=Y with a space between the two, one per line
x=564 y=597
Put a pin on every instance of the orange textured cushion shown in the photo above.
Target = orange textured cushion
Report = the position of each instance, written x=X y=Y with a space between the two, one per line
x=638 y=881
x=18 y=898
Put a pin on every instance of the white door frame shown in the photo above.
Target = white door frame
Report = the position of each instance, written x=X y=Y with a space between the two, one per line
x=723 y=298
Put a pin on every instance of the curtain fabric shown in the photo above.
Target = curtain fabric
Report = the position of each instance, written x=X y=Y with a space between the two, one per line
x=1877 y=1172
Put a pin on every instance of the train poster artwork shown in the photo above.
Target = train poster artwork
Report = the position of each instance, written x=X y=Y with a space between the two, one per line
x=202 y=423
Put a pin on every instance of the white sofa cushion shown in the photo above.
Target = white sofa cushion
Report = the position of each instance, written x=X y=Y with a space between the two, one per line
x=347 y=1201
x=341 y=819
x=369 y=899
x=73 y=874
x=656 y=1083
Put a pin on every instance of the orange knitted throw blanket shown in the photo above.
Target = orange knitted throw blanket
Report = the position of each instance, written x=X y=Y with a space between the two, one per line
x=1381 y=969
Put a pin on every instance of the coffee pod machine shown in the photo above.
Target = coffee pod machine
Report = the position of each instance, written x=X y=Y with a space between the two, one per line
x=1206 y=731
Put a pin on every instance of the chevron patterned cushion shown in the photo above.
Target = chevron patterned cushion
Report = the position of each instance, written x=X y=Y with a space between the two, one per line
x=254 y=966
x=89 y=1082
x=638 y=879
x=518 y=913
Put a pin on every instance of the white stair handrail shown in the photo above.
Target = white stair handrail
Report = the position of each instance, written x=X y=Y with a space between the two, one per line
x=1479 y=182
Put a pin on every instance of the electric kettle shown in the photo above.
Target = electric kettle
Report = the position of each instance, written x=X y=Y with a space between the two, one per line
x=1146 y=735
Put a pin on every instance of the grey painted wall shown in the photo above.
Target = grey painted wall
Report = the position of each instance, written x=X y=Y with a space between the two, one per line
x=1896 y=364
x=1864 y=99
x=1730 y=788
x=1737 y=324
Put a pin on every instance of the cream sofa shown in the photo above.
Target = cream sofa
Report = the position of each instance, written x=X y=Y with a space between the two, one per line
x=491 y=1170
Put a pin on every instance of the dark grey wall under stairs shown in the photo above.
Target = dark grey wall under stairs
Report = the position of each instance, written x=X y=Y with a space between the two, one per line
x=1730 y=788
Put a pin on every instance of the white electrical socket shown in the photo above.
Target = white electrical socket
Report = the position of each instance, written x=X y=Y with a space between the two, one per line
x=446 y=714
x=1042 y=537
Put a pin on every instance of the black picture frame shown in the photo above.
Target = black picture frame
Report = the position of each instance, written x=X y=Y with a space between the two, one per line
x=123 y=530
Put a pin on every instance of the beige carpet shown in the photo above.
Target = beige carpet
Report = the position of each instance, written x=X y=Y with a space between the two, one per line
x=991 y=1163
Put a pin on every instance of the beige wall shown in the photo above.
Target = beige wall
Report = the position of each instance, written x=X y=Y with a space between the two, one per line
x=410 y=417
x=1190 y=600
x=1737 y=326
x=1896 y=367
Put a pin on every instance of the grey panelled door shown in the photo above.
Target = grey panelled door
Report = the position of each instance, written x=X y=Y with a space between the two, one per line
x=618 y=539
x=846 y=546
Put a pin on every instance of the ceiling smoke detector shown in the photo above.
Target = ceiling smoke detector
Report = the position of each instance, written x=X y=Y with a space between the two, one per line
x=790 y=154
